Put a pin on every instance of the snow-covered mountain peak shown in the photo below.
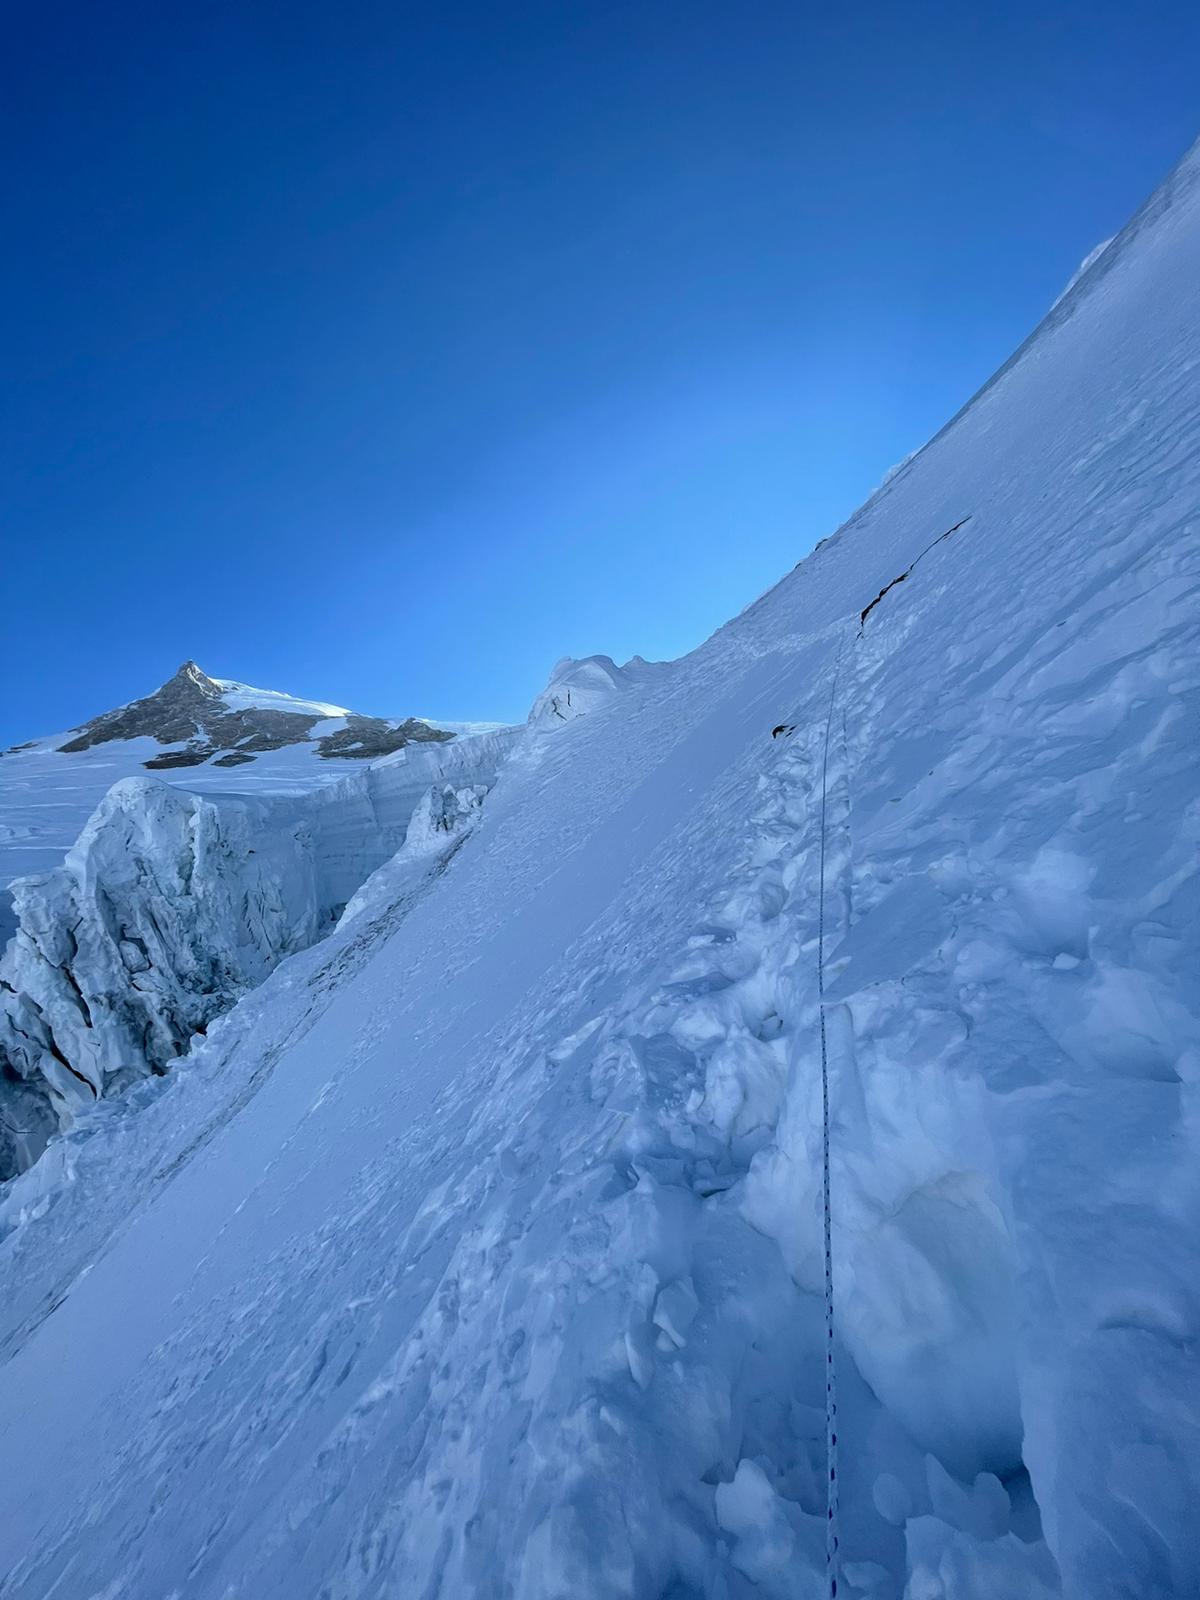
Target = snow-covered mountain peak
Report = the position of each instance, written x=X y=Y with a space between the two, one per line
x=229 y=723
x=192 y=672
x=191 y=680
x=201 y=732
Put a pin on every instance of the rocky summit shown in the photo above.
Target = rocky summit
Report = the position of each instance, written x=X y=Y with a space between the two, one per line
x=192 y=710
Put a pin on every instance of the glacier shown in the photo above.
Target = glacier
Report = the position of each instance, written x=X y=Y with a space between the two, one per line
x=478 y=1249
x=214 y=735
x=171 y=905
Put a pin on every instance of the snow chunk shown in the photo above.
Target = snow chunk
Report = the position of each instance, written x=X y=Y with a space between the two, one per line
x=675 y=1310
x=946 y=1564
x=750 y=1509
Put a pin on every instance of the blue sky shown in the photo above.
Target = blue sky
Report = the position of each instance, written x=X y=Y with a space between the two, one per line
x=386 y=353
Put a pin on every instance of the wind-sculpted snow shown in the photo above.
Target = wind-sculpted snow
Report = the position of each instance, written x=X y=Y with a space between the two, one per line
x=480 y=1255
x=171 y=906
x=199 y=719
x=577 y=687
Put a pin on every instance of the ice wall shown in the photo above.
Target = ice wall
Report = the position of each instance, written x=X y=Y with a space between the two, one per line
x=172 y=905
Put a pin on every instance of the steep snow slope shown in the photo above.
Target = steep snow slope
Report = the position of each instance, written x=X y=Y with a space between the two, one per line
x=480 y=1254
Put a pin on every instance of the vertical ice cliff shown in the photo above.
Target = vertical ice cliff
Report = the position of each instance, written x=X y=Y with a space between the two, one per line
x=167 y=908
x=172 y=905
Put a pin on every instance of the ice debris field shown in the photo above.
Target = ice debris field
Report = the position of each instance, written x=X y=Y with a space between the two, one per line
x=478 y=1249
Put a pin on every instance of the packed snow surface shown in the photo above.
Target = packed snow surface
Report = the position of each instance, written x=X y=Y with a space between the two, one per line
x=478 y=1251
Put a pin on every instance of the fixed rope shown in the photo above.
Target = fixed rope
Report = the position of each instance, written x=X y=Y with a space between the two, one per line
x=831 y=1422
x=832 y=1537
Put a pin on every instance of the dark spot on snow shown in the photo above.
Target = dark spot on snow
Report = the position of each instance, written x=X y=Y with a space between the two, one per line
x=863 y=615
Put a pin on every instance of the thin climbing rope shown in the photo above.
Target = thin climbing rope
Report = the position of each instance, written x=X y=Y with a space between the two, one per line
x=832 y=1539
x=831 y=1485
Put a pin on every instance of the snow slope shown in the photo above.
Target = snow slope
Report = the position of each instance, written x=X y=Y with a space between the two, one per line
x=244 y=697
x=479 y=1251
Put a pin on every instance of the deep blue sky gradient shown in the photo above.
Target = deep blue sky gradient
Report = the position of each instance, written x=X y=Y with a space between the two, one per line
x=386 y=353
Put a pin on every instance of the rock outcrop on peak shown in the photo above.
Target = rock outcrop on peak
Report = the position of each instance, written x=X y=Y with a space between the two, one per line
x=192 y=710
